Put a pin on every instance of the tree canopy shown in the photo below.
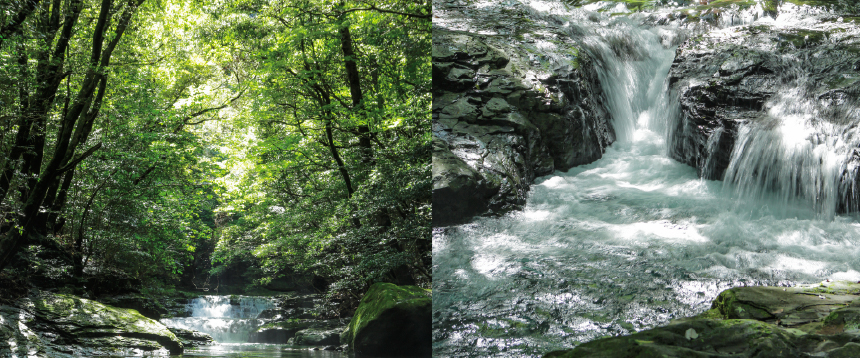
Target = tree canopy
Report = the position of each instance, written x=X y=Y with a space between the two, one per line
x=180 y=140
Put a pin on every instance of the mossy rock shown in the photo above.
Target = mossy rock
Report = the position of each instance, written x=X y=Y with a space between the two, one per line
x=694 y=338
x=391 y=321
x=806 y=320
x=60 y=325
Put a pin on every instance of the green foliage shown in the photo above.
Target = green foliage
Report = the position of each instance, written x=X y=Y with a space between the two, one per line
x=235 y=138
x=292 y=208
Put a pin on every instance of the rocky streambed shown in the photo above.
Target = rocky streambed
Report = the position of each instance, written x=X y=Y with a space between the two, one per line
x=729 y=158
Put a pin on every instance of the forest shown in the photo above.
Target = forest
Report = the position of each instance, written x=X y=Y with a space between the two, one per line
x=180 y=147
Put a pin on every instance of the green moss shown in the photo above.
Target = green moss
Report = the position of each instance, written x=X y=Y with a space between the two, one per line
x=384 y=296
x=799 y=39
x=743 y=4
x=729 y=306
x=712 y=313
x=632 y=5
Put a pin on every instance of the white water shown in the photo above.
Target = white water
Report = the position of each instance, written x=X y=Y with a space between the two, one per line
x=225 y=322
x=636 y=239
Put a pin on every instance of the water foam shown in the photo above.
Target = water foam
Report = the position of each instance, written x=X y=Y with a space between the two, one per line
x=228 y=319
x=636 y=239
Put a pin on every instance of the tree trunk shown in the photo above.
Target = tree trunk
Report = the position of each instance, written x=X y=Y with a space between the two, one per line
x=84 y=108
x=352 y=76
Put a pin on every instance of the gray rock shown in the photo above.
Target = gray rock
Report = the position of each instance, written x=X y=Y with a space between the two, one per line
x=724 y=82
x=496 y=128
x=318 y=337
x=300 y=331
x=192 y=338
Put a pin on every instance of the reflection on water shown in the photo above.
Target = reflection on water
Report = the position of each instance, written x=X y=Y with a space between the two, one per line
x=257 y=350
x=254 y=350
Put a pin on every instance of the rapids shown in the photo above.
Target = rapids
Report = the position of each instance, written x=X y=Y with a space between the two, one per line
x=636 y=239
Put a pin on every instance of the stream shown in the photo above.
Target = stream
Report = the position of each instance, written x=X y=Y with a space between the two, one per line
x=231 y=324
x=636 y=239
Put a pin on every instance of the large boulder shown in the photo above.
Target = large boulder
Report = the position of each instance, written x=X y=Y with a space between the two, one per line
x=821 y=320
x=57 y=325
x=391 y=321
x=506 y=110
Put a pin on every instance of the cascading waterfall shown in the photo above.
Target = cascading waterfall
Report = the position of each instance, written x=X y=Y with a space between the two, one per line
x=632 y=66
x=636 y=239
x=228 y=319
x=797 y=154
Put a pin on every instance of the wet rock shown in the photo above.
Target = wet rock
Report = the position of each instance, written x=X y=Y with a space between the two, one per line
x=311 y=332
x=280 y=332
x=502 y=116
x=317 y=337
x=149 y=306
x=391 y=321
x=57 y=325
x=192 y=338
x=269 y=314
x=821 y=320
x=292 y=301
x=757 y=76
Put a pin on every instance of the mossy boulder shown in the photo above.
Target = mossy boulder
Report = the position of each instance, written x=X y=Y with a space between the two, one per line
x=152 y=306
x=694 y=338
x=391 y=321
x=56 y=325
x=821 y=320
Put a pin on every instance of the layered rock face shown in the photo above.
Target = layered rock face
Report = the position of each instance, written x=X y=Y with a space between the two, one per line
x=292 y=322
x=508 y=108
x=821 y=320
x=56 y=325
x=772 y=107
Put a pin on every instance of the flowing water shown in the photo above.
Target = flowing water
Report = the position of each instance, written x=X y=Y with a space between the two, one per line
x=636 y=239
x=225 y=322
x=230 y=320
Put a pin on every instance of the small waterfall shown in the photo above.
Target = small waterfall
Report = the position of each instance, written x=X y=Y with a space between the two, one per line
x=632 y=64
x=636 y=239
x=228 y=319
x=800 y=151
